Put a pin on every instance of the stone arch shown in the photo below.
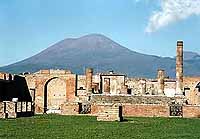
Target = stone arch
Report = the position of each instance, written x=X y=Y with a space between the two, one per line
x=54 y=94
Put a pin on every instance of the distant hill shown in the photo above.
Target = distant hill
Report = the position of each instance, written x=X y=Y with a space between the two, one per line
x=102 y=54
x=191 y=56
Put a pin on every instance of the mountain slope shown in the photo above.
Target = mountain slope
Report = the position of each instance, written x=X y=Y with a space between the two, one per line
x=102 y=54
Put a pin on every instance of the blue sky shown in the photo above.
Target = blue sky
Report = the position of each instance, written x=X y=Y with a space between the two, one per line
x=147 y=26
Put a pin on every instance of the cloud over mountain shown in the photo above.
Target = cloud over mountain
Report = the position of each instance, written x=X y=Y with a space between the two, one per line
x=172 y=11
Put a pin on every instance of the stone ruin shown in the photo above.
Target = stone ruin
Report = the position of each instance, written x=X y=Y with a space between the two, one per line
x=109 y=95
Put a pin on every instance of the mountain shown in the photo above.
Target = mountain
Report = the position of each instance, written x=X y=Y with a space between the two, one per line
x=102 y=54
x=191 y=56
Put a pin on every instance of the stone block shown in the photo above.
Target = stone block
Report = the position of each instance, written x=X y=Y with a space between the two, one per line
x=2 y=114
x=10 y=109
x=70 y=109
x=110 y=113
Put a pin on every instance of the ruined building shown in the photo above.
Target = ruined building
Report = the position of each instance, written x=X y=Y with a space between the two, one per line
x=109 y=96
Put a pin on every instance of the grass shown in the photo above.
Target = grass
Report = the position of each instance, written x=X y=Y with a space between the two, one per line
x=86 y=127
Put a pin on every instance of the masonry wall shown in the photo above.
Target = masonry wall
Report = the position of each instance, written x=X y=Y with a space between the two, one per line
x=191 y=111
x=136 y=110
x=102 y=99
x=145 y=110
x=136 y=106
x=136 y=84
x=192 y=93
x=113 y=84
x=44 y=82
x=70 y=109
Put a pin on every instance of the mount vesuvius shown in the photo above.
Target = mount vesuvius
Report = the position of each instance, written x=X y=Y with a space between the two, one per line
x=102 y=54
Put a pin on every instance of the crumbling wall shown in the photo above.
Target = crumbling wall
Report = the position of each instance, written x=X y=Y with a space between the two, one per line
x=191 y=92
x=70 y=109
x=191 y=111
x=103 y=99
x=142 y=86
x=146 y=110
x=39 y=82
x=111 y=112
x=81 y=82
x=137 y=86
x=113 y=84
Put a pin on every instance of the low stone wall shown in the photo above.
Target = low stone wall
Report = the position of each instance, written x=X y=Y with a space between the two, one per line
x=9 y=109
x=191 y=111
x=135 y=106
x=136 y=110
x=161 y=100
x=145 y=110
x=70 y=109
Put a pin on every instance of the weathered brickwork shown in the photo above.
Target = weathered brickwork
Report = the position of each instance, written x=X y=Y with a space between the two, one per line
x=52 y=88
x=138 y=106
x=191 y=111
x=192 y=93
x=70 y=109
x=161 y=100
x=112 y=83
x=145 y=110
x=111 y=112
x=135 y=110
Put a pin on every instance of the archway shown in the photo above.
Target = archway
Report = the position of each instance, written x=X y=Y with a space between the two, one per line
x=54 y=95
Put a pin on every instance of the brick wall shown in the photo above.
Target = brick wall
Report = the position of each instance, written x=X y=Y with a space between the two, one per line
x=191 y=111
x=134 y=110
x=146 y=110
x=161 y=100
x=70 y=109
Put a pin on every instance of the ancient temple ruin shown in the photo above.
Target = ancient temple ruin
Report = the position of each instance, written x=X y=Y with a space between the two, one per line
x=109 y=95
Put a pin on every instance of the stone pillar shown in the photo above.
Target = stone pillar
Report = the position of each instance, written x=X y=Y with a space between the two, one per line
x=2 y=76
x=89 y=73
x=161 y=82
x=179 y=68
x=143 y=87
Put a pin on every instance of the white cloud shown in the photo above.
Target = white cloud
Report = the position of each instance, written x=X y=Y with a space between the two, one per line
x=172 y=11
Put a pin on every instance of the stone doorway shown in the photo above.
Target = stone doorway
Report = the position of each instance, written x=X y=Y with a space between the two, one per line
x=54 y=95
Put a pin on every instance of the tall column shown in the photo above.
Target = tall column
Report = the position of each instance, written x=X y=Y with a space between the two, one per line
x=89 y=73
x=179 y=68
x=161 y=82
